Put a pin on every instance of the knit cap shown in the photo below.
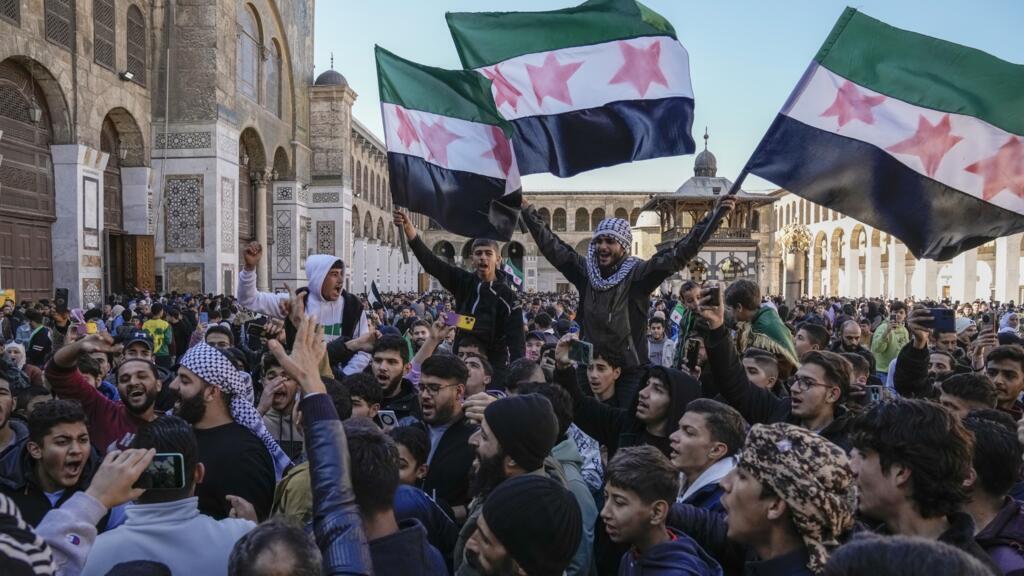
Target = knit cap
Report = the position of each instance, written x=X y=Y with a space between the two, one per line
x=525 y=426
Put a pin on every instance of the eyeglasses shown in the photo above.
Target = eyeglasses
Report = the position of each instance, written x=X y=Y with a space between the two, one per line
x=434 y=389
x=805 y=383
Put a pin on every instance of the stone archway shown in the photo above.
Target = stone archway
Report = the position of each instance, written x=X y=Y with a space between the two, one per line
x=818 y=262
x=282 y=169
x=122 y=140
x=33 y=116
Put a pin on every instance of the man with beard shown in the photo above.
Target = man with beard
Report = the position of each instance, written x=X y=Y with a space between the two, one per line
x=515 y=436
x=238 y=453
x=418 y=334
x=57 y=461
x=442 y=389
x=529 y=525
x=111 y=424
x=390 y=367
x=485 y=294
x=340 y=312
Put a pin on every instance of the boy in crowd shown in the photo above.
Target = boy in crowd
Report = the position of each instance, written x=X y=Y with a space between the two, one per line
x=660 y=350
x=391 y=366
x=762 y=368
x=413 y=447
x=703 y=450
x=810 y=336
x=963 y=393
x=1005 y=366
x=276 y=404
x=366 y=395
x=640 y=487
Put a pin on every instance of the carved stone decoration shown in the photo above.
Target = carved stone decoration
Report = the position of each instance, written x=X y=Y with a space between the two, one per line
x=89 y=261
x=184 y=141
x=228 y=146
x=304 y=225
x=283 y=240
x=325 y=197
x=227 y=215
x=304 y=194
x=284 y=194
x=91 y=292
x=185 y=278
x=184 y=217
x=325 y=236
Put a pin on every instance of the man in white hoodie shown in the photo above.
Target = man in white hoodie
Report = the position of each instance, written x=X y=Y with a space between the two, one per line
x=340 y=313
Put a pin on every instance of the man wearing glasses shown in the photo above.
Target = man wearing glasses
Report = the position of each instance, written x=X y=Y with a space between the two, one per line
x=442 y=389
x=817 y=395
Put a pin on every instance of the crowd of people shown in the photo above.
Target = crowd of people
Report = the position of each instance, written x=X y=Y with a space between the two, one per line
x=614 y=429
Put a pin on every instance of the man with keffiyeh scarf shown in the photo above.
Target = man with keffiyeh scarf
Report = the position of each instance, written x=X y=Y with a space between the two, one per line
x=614 y=287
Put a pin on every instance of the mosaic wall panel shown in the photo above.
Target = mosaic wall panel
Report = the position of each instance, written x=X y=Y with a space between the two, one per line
x=284 y=194
x=325 y=197
x=91 y=261
x=91 y=292
x=325 y=237
x=228 y=146
x=304 y=225
x=283 y=240
x=185 y=278
x=304 y=194
x=183 y=227
x=184 y=140
x=227 y=215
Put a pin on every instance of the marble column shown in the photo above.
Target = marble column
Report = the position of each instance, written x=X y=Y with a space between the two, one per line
x=78 y=194
x=259 y=184
x=925 y=282
x=872 y=270
x=852 y=272
x=897 y=269
x=795 y=274
x=1007 y=271
x=965 y=277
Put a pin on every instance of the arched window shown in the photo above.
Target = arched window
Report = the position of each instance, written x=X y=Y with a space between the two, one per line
x=545 y=216
x=622 y=214
x=274 y=79
x=356 y=230
x=380 y=229
x=368 y=226
x=558 y=220
x=60 y=22
x=136 y=49
x=595 y=218
x=248 y=52
x=582 y=220
x=634 y=216
x=104 y=38
x=10 y=10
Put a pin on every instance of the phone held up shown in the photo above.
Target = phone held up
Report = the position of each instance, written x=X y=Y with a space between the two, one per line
x=165 y=472
x=581 y=352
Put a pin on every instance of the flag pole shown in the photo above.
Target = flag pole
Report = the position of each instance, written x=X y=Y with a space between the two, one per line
x=719 y=213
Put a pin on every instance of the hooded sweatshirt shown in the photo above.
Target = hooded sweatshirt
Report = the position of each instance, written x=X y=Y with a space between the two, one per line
x=330 y=314
x=677 y=556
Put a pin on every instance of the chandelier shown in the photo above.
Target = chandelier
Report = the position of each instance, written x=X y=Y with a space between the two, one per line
x=796 y=238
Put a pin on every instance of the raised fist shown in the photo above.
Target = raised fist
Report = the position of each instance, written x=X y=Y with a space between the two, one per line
x=253 y=253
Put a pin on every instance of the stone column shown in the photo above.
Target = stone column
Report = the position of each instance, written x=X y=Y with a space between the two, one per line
x=794 y=275
x=76 y=246
x=852 y=272
x=872 y=270
x=259 y=184
x=925 y=282
x=897 y=269
x=1007 y=271
x=965 y=276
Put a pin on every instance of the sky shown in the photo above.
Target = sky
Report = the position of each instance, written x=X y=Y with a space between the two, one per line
x=745 y=58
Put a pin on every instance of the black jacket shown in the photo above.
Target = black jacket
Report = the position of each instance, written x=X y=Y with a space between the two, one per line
x=616 y=427
x=407 y=403
x=499 y=319
x=910 y=377
x=39 y=347
x=755 y=404
x=18 y=481
x=614 y=319
x=448 y=476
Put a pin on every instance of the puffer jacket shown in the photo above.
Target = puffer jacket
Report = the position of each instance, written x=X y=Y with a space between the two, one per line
x=615 y=319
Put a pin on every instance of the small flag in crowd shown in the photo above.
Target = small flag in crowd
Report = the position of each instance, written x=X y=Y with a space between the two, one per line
x=373 y=296
x=915 y=136
x=449 y=152
x=514 y=273
x=599 y=84
x=677 y=313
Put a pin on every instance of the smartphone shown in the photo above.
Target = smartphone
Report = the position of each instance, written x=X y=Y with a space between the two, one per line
x=204 y=318
x=874 y=393
x=165 y=472
x=255 y=330
x=943 y=320
x=692 y=353
x=581 y=352
x=711 y=293
x=459 y=321
x=892 y=318
x=388 y=418
x=91 y=328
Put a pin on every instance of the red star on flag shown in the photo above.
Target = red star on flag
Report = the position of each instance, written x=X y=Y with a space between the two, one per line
x=505 y=92
x=850 y=104
x=930 y=143
x=1002 y=171
x=437 y=138
x=640 y=67
x=501 y=151
x=406 y=129
x=551 y=79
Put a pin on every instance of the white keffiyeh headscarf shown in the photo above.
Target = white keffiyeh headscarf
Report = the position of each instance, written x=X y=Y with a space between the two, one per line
x=213 y=366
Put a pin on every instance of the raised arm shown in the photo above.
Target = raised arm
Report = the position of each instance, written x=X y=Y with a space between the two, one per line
x=248 y=295
x=562 y=256
x=445 y=273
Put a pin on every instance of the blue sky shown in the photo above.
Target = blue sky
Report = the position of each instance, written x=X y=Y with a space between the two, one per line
x=745 y=57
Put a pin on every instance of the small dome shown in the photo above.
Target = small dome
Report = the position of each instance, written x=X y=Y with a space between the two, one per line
x=648 y=219
x=705 y=164
x=331 y=78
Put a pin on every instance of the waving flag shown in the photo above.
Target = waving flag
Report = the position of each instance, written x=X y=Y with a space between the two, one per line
x=514 y=273
x=916 y=136
x=603 y=83
x=449 y=152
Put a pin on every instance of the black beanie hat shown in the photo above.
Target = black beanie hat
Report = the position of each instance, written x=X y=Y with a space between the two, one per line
x=537 y=521
x=526 y=428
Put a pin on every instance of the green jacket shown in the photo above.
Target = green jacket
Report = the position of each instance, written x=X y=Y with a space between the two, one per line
x=886 y=344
